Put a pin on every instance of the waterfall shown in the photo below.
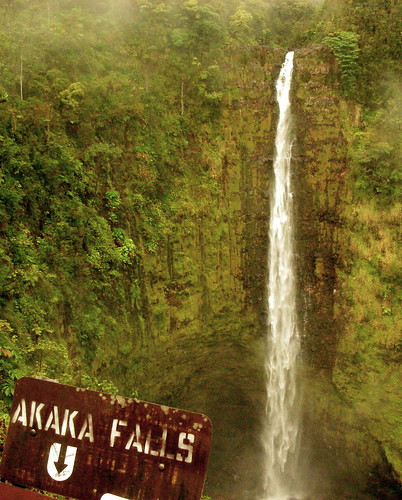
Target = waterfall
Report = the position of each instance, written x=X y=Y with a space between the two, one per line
x=281 y=429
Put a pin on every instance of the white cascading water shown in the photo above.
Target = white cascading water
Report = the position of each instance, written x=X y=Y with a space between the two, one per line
x=280 y=438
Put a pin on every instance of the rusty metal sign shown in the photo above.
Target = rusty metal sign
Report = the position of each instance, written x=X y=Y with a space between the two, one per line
x=93 y=446
x=9 y=492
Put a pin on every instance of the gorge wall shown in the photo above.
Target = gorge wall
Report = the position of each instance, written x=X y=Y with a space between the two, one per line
x=209 y=352
x=350 y=405
x=207 y=346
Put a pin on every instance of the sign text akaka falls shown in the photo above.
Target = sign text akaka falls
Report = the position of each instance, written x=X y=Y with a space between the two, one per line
x=90 y=445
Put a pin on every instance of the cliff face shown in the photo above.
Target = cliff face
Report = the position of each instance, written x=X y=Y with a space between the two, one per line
x=321 y=168
x=350 y=349
x=205 y=294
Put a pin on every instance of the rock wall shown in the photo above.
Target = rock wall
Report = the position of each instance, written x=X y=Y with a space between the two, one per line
x=205 y=294
x=343 y=442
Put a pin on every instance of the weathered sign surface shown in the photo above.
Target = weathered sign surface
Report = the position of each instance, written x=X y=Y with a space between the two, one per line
x=88 y=445
x=8 y=492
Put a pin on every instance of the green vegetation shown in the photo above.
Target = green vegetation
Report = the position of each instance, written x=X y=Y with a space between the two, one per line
x=344 y=45
x=135 y=146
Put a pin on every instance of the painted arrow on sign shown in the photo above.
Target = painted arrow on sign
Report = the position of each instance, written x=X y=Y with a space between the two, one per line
x=60 y=464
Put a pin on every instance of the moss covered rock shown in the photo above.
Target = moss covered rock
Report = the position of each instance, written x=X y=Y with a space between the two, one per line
x=348 y=292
